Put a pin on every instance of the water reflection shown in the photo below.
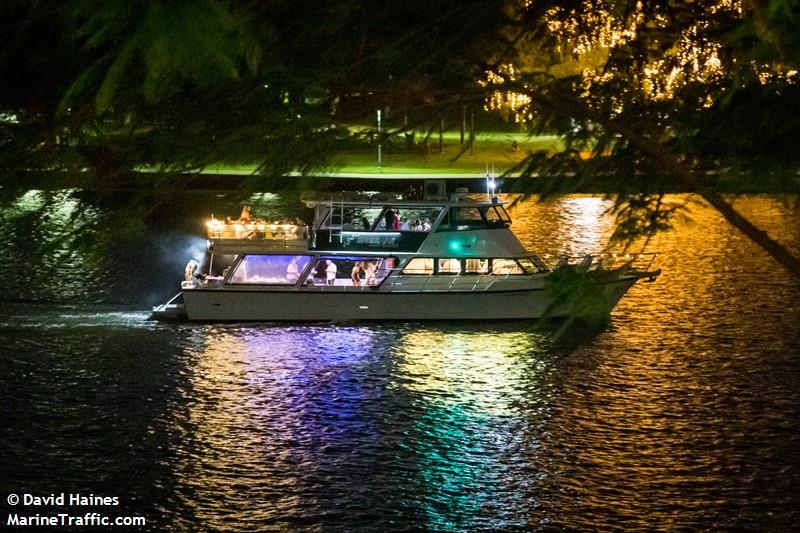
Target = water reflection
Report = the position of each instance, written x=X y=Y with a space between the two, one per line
x=572 y=225
x=471 y=369
x=47 y=247
x=469 y=390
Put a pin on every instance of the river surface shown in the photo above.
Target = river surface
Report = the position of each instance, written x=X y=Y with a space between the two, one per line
x=683 y=414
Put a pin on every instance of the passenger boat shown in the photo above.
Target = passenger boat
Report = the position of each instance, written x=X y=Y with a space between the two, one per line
x=376 y=258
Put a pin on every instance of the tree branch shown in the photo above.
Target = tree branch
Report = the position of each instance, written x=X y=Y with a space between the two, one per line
x=666 y=160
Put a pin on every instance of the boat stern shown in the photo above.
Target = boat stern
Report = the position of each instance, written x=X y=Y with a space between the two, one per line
x=173 y=310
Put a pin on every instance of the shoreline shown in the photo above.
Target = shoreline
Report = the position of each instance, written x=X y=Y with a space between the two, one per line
x=233 y=179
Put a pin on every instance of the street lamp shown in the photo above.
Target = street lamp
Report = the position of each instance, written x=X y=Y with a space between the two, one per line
x=380 y=162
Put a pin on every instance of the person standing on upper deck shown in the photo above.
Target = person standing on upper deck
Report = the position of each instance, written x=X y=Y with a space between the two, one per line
x=247 y=214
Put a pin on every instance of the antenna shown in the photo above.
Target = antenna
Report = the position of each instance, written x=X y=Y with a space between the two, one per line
x=488 y=189
x=490 y=183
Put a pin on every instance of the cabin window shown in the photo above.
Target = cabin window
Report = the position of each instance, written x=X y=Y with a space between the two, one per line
x=494 y=218
x=350 y=271
x=476 y=266
x=532 y=265
x=502 y=267
x=419 y=265
x=466 y=218
x=269 y=269
x=214 y=266
x=462 y=218
x=449 y=266
x=357 y=219
x=409 y=218
x=502 y=213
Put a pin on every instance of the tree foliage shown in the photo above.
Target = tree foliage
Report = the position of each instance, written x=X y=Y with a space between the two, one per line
x=108 y=85
x=692 y=96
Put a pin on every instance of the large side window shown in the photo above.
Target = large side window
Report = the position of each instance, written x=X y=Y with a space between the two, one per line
x=270 y=269
x=358 y=219
x=350 y=271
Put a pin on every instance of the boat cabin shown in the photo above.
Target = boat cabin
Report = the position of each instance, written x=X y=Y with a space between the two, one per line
x=359 y=243
x=401 y=226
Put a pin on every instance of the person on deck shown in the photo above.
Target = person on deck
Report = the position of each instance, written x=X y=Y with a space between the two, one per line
x=355 y=274
x=247 y=214
x=292 y=271
x=330 y=271
x=369 y=273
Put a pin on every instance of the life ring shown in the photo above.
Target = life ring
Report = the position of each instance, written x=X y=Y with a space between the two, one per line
x=191 y=268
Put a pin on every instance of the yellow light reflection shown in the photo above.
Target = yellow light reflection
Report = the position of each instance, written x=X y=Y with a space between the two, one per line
x=572 y=225
x=472 y=369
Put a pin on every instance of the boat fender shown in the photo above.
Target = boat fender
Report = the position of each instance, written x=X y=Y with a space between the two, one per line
x=191 y=268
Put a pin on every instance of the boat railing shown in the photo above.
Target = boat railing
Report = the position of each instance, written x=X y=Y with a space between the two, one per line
x=641 y=261
x=474 y=282
x=475 y=279
x=256 y=230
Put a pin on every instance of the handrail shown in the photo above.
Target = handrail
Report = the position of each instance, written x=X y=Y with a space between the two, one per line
x=641 y=261
x=606 y=261
x=479 y=278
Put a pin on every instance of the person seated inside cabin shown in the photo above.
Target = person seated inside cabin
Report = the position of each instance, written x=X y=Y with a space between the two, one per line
x=426 y=224
x=404 y=225
x=365 y=224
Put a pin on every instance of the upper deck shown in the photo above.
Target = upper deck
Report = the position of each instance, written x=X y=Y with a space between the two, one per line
x=237 y=236
x=460 y=224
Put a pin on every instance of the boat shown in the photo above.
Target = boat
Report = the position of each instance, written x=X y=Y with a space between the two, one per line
x=441 y=257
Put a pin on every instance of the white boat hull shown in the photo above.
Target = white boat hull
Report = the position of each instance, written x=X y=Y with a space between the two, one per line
x=237 y=304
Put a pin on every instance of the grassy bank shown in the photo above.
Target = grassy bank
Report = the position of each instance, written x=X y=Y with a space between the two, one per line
x=425 y=157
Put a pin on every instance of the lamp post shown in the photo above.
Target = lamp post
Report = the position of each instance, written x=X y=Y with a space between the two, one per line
x=380 y=161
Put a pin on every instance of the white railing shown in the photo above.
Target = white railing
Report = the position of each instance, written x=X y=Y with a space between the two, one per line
x=474 y=279
x=474 y=282
x=640 y=262
x=606 y=261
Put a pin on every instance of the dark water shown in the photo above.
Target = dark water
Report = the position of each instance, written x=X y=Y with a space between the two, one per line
x=684 y=414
